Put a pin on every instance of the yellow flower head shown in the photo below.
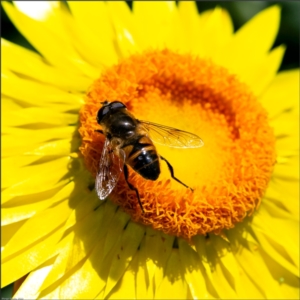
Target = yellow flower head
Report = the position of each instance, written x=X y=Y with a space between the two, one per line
x=235 y=236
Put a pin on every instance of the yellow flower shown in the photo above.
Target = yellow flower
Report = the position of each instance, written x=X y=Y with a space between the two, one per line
x=171 y=66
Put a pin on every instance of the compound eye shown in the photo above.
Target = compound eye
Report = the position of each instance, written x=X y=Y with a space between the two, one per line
x=117 y=105
x=101 y=113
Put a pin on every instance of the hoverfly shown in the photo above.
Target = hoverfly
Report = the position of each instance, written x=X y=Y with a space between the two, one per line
x=129 y=142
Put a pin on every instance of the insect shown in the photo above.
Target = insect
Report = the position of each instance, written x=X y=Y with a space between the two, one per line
x=129 y=142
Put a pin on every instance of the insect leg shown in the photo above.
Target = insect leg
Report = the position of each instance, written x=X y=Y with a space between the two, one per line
x=98 y=130
x=132 y=187
x=172 y=173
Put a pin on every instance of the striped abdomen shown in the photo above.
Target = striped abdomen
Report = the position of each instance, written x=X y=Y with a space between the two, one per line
x=143 y=158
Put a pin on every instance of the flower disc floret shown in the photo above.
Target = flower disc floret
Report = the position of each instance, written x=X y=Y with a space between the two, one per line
x=229 y=174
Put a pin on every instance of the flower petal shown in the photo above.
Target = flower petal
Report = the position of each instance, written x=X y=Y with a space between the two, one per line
x=82 y=240
x=126 y=287
x=17 y=212
x=287 y=252
x=282 y=94
x=29 y=289
x=173 y=285
x=8 y=104
x=45 y=39
x=155 y=250
x=127 y=35
x=214 y=23
x=188 y=14
x=246 y=46
x=94 y=32
x=253 y=265
x=190 y=265
x=221 y=279
x=122 y=253
x=262 y=75
x=8 y=231
x=30 y=258
x=31 y=64
x=57 y=216
x=279 y=187
x=33 y=93
x=288 y=282
x=288 y=170
x=89 y=268
x=36 y=183
x=40 y=135
x=158 y=22
x=286 y=125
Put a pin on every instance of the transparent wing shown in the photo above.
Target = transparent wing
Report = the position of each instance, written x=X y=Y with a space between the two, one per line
x=110 y=167
x=171 y=137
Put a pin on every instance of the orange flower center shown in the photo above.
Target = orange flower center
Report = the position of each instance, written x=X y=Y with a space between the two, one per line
x=229 y=174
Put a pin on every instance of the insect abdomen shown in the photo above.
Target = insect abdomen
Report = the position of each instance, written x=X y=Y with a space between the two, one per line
x=143 y=159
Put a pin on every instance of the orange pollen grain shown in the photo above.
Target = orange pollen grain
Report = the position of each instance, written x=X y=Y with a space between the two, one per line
x=229 y=174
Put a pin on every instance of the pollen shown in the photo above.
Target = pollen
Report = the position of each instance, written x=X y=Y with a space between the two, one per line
x=228 y=175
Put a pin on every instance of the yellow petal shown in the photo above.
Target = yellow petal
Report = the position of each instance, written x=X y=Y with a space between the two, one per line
x=284 y=194
x=229 y=263
x=216 y=25
x=155 y=247
x=87 y=205
x=15 y=162
x=34 y=93
x=16 y=140
x=29 y=288
x=17 y=212
x=93 y=29
x=30 y=258
x=56 y=148
x=277 y=210
x=191 y=268
x=189 y=18
x=122 y=253
x=82 y=239
x=36 y=115
x=127 y=285
x=9 y=105
x=39 y=227
x=221 y=279
x=39 y=11
x=126 y=34
x=40 y=135
x=263 y=74
x=288 y=170
x=49 y=38
x=288 y=146
x=8 y=231
x=35 y=183
x=173 y=285
x=139 y=268
x=288 y=282
x=285 y=125
x=250 y=260
x=80 y=283
x=283 y=93
x=158 y=21
x=31 y=64
x=89 y=268
x=247 y=47
x=22 y=212
x=287 y=252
